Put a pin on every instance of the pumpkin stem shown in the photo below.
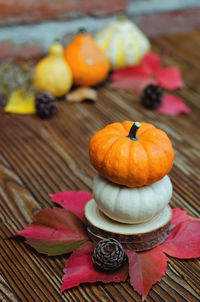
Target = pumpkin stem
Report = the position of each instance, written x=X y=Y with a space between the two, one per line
x=82 y=30
x=133 y=131
x=121 y=17
x=57 y=40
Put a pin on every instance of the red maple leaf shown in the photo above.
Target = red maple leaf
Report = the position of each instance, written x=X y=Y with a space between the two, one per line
x=72 y=201
x=57 y=231
x=180 y=216
x=151 y=71
x=146 y=268
x=170 y=78
x=184 y=238
x=173 y=105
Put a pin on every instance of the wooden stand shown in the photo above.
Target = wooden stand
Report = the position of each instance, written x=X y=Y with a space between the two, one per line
x=137 y=237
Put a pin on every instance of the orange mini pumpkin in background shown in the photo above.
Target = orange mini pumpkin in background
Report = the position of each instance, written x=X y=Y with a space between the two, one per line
x=88 y=63
x=129 y=157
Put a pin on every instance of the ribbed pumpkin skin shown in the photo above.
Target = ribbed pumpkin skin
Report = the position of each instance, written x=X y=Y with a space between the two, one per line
x=131 y=163
x=88 y=63
x=131 y=205
x=123 y=43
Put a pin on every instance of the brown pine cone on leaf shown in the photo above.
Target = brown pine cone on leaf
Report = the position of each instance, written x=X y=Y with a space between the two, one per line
x=109 y=255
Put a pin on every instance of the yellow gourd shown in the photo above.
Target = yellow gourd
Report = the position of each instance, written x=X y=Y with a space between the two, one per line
x=123 y=43
x=52 y=73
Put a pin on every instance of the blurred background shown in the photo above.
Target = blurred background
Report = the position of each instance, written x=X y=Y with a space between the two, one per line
x=28 y=28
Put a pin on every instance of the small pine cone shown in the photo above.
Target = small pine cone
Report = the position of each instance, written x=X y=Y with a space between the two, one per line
x=109 y=255
x=45 y=104
x=3 y=100
x=152 y=96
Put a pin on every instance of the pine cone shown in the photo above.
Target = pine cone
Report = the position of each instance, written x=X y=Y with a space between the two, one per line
x=3 y=100
x=109 y=255
x=152 y=96
x=45 y=104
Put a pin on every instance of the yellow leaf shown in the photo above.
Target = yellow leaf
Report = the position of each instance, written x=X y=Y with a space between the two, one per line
x=21 y=102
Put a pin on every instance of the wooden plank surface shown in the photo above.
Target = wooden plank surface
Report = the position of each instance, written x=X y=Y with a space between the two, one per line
x=40 y=157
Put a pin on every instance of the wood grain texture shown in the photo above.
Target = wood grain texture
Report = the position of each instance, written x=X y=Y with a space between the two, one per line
x=40 y=157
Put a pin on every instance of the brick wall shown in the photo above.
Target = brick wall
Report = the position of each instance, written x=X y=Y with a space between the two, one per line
x=28 y=27
x=31 y=11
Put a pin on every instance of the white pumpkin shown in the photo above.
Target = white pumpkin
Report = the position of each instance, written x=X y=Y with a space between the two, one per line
x=131 y=205
x=123 y=42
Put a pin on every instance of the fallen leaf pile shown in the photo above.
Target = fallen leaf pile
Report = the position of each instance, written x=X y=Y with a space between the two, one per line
x=59 y=231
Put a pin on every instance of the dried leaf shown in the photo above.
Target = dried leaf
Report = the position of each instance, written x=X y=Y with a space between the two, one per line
x=82 y=94
x=54 y=232
x=173 y=105
x=21 y=102
x=79 y=269
x=146 y=268
x=72 y=201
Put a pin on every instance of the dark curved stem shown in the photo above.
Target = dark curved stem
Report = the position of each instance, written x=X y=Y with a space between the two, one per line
x=82 y=30
x=133 y=131
x=57 y=40
x=121 y=17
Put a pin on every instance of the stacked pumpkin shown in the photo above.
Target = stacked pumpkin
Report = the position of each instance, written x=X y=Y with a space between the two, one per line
x=132 y=189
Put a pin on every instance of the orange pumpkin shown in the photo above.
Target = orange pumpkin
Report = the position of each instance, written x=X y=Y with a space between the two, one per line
x=131 y=154
x=88 y=63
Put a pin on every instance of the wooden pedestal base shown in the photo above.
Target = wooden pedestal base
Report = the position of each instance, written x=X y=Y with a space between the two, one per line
x=137 y=237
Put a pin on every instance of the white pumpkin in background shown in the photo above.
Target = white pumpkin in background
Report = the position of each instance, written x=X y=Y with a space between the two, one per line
x=131 y=205
x=123 y=42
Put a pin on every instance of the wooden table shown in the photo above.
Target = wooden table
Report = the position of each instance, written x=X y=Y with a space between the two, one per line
x=40 y=157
